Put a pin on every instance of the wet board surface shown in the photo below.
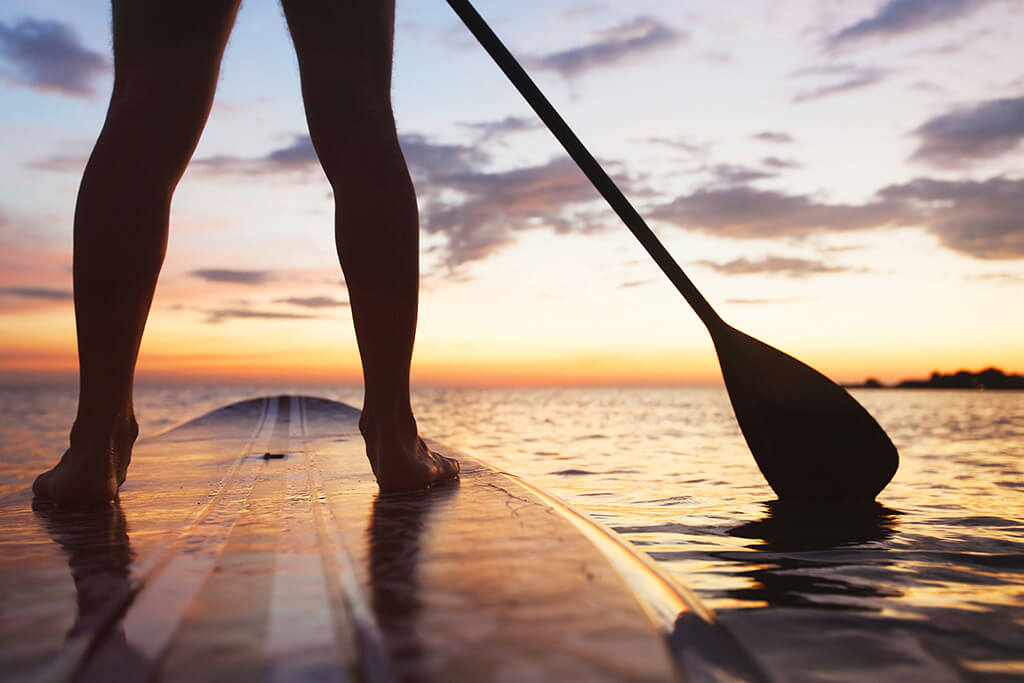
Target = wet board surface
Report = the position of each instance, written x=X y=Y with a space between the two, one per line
x=220 y=563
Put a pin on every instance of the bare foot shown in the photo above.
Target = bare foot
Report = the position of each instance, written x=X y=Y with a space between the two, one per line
x=91 y=471
x=401 y=460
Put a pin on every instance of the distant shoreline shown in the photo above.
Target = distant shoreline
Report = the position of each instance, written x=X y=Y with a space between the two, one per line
x=988 y=379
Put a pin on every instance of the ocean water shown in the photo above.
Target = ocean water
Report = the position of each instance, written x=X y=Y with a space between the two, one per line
x=928 y=585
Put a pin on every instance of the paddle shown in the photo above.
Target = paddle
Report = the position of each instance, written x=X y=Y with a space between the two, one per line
x=810 y=438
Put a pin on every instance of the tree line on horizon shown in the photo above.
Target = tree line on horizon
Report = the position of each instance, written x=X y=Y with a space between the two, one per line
x=989 y=378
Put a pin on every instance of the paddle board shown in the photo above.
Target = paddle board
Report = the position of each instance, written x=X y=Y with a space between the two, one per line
x=253 y=544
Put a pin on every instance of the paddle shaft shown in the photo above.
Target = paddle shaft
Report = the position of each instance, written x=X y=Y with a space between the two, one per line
x=584 y=159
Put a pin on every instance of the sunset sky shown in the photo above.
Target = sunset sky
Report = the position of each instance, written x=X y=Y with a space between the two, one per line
x=844 y=180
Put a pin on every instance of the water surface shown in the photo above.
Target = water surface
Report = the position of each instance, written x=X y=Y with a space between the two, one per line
x=926 y=585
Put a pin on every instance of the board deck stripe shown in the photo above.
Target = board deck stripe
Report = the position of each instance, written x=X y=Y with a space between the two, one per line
x=171 y=582
x=301 y=640
x=356 y=622
x=88 y=645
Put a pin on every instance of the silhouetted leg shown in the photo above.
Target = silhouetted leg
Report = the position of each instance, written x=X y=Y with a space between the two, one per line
x=344 y=51
x=166 y=60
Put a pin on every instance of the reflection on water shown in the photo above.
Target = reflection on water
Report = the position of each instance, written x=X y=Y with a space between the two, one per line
x=781 y=574
x=99 y=556
x=929 y=585
x=790 y=526
x=394 y=538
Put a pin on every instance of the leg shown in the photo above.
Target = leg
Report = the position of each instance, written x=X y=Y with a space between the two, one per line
x=166 y=60
x=344 y=51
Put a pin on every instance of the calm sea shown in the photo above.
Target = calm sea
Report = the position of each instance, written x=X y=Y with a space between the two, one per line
x=926 y=586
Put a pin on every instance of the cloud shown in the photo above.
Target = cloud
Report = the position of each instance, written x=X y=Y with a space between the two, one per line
x=313 y=302
x=786 y=300
x=47 y=56
x=497 y=205
x=59 y=164
x=222 y=314
x=698 y=151
x=984 y=219
x=297 y=156
x=44 y=293
x=509 y=125
x=773 y=136
x=613 y=46
x=734 y=174
x=843 y=77
x=717 y=57
x=584 y=9
x=747 y=213
x=423 y=157
x=780 y=164
x=436 y=160
x=896 y=17
x=775 y=265
x=475 y=210
x=979 y=131
x=240 y=277
x=1000 y=278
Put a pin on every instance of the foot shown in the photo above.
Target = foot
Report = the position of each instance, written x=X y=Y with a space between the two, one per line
x=401 y=460
x=92 y=470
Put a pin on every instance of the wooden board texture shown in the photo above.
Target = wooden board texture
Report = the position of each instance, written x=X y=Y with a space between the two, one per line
x=220 y=564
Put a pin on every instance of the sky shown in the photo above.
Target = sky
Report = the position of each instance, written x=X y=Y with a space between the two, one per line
x=841 y=179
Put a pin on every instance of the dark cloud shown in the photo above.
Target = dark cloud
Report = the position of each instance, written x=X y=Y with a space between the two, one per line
x=297 y=156
x=773 y=136
x=313 y=302
x=780 y=164
x=475 y=210
x=840 y=78
x=239 y=277
x=436 y=160
x=984 y=219
x=613 y=46
x=775 y=265
x=747 y=213
x=59 y=164
x=47 y=56
x=978 y=131
x=734 y=174
x=45 y=293
x=222 y=314
x=896 y=17
x=497 y=205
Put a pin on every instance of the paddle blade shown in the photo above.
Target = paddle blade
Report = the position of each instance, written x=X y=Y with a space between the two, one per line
x=810 y=438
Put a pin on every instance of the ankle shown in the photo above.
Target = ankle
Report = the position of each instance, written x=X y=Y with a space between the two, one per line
x=375 y=423
x=120 y=425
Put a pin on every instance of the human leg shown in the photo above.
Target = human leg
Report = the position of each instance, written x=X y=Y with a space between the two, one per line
x=166 y=60
x=344 y=52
